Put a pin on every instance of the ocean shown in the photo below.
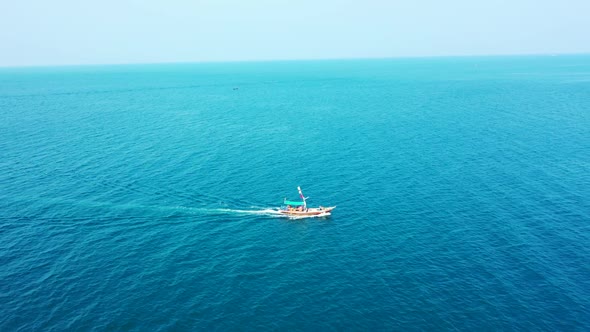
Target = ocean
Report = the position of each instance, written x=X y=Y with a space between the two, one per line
x=137 y=197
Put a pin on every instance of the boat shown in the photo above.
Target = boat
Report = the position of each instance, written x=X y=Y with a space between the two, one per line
x=300 y=208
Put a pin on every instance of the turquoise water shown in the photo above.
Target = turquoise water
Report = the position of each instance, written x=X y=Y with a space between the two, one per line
x=134 y=197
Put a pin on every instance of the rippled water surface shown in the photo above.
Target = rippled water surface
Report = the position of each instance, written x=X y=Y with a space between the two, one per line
x=134 y=197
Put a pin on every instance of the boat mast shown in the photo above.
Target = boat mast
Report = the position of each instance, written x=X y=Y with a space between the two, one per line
x=302 y=197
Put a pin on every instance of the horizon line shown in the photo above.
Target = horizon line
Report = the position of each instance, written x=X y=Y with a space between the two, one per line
x=292 y=60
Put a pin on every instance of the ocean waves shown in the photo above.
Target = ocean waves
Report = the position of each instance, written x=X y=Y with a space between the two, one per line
x=142 y=198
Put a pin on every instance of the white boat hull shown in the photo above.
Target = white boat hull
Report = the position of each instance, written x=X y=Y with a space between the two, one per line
x=310 y=212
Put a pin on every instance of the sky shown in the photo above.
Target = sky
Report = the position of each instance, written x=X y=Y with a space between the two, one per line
x=68 y=32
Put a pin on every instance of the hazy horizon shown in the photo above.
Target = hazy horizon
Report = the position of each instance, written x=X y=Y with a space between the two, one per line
x=64 y=32
x=302 y=60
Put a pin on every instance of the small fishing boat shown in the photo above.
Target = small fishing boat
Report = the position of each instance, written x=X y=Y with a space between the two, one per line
x=300 y=209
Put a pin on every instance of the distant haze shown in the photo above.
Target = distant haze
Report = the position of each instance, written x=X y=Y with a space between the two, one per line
x=62 y=32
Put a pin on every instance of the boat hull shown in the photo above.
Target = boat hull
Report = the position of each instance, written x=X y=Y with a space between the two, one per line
x=309 y=212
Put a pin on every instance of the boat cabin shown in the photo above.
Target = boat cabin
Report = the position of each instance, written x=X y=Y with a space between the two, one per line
x=294 y=205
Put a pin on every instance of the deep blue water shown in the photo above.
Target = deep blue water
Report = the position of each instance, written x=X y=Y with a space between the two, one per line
x=128 y=195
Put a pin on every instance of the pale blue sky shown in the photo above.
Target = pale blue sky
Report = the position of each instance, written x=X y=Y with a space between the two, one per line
x=58 y=32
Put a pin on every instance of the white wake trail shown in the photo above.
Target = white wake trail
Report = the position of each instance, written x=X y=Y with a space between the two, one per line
x=266 y=211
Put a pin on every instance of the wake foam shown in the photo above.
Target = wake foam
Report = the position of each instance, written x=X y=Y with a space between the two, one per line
x=267 y=211
x=270 y=212
x=171 y=209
